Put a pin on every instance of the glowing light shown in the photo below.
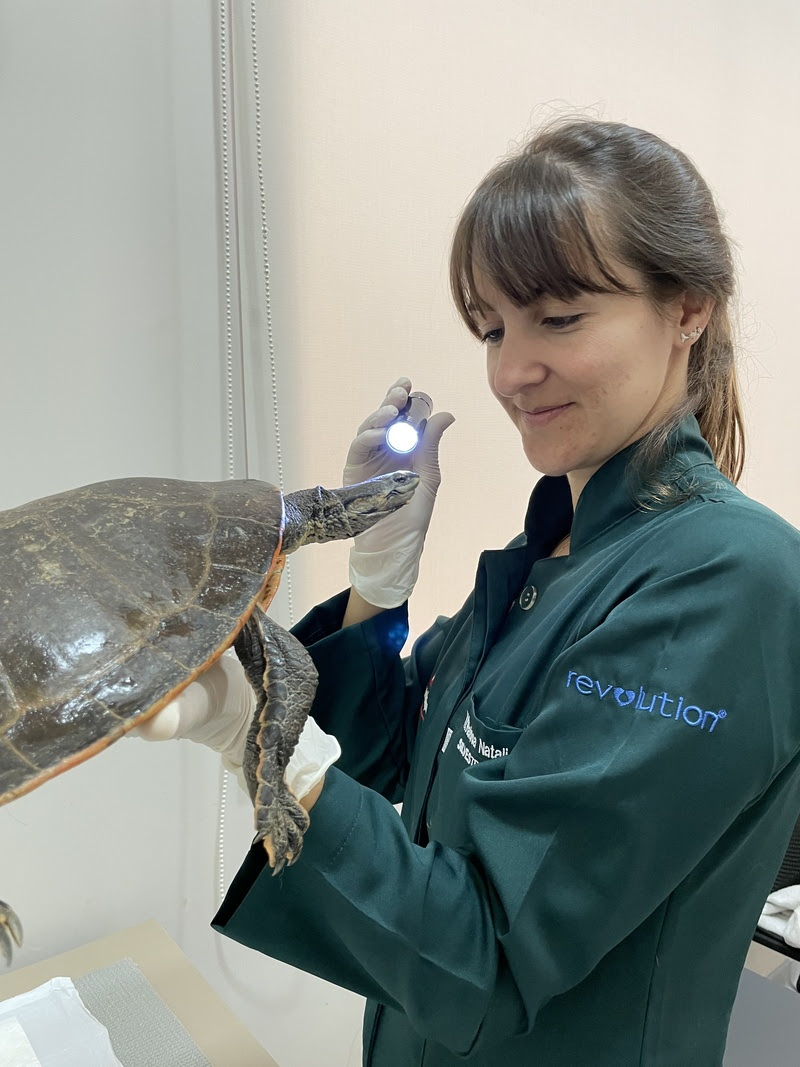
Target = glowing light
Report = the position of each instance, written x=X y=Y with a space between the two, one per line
x=402 y=437
x=404 y=432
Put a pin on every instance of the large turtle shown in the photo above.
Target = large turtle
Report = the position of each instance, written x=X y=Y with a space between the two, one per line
x=115 y=596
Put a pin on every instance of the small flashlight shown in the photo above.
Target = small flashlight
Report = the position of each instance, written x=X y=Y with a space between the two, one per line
x=404 y=432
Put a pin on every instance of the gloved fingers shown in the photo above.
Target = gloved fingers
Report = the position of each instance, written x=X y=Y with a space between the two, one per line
x=379 y=419
x=397 y=394
x=426 y=455
x=395 y=399
x=190 y=708
x=368 y=457
x=162 y=726
x=191 y=712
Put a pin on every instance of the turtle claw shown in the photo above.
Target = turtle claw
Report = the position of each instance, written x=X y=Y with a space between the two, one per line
x=280 y=828
x=10 y=932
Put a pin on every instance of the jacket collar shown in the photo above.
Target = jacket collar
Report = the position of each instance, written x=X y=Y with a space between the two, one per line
x=607 y=498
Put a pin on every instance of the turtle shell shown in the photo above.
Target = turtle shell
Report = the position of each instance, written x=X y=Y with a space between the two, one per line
x=114 y=597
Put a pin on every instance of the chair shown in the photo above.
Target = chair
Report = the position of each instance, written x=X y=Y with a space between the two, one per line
x=789 y=874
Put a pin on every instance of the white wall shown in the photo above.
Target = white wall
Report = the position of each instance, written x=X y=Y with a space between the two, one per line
x=113 y=364
x=110 y=366
x=379 y=119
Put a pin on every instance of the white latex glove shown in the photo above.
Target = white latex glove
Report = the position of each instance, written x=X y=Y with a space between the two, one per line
x=216 y=710
x=384 y=561
x=314 y=753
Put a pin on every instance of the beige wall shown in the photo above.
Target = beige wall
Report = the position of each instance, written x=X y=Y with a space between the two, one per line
x=391 y=112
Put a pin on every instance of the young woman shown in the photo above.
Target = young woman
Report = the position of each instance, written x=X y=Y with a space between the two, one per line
x=598 y=754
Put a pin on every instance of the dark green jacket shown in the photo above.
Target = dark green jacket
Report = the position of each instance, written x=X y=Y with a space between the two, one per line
x=598 y=788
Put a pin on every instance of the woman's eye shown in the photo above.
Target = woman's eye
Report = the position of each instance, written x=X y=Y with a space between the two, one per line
x=492 y=337
x=561 y=322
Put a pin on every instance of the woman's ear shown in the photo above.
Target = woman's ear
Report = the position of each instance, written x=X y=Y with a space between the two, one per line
x=693 y=313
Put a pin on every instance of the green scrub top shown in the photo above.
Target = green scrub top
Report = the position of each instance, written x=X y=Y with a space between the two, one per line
x=598 y=762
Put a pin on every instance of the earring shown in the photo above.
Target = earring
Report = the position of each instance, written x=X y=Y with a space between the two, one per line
x=693 y=335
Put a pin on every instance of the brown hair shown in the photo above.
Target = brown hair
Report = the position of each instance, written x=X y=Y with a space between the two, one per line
x=554 y=217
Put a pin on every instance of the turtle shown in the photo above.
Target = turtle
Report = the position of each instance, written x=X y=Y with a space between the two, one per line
x=116 y=595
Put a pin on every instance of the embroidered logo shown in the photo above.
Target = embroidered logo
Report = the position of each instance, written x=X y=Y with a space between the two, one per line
x=691 y=714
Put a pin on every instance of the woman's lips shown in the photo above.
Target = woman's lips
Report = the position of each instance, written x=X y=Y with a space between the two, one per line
x=539 y=417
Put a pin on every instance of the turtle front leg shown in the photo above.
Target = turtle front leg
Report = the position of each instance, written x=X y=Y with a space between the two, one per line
x=285 y=681
x=10 y=931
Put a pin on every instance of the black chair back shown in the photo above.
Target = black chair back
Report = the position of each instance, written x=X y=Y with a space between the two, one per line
x=789 y=874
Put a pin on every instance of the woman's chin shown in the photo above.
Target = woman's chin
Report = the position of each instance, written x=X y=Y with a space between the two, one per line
x=545 y=462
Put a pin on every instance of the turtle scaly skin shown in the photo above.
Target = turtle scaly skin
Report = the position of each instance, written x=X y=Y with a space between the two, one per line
x=284 y=680
x=116 y=596
x=318 y=515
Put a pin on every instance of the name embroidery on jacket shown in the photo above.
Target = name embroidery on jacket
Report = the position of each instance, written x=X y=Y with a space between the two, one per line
x=691 y=714
x=472 y=748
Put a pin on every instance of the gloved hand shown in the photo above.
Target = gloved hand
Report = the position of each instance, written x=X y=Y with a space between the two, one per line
x=217 y=709
x=384 y=560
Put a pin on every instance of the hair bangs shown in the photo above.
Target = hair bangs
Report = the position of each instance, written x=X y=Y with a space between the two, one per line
x=526 y=232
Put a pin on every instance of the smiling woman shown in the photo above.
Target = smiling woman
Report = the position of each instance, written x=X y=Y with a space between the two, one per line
x=598 y=371
x=594 y=274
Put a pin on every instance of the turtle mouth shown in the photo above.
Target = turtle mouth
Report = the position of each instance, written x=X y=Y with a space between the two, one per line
x=407 y=490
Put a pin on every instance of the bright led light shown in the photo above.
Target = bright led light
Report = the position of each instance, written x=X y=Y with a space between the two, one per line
x=402 y=437
x=404 y=432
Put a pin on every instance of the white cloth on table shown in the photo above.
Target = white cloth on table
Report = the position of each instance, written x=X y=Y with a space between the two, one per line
x=781 y=914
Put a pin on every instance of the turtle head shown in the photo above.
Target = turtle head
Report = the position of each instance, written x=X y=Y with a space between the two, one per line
x=333 y=514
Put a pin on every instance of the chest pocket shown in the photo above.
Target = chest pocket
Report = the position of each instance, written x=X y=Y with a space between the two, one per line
x=470 y=739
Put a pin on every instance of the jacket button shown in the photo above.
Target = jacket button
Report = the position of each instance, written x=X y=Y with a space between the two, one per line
x=527 y=597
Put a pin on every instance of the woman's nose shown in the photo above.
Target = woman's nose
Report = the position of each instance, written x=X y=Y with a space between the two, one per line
x=515 y=366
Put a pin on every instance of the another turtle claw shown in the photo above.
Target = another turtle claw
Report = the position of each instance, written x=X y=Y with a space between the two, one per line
x=10 y=932
x=281 y=831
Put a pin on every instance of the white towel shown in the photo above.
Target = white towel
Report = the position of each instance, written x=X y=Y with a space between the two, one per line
x=781 y=914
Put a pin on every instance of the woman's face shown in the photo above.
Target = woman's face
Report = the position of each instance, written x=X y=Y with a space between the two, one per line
x=610 y=357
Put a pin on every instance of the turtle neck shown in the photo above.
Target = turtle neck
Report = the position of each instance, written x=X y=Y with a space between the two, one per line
x=606 y=499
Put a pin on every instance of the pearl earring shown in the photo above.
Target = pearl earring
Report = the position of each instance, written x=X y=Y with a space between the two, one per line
x=692 y=336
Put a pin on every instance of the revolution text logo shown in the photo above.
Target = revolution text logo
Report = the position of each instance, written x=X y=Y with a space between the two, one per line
x=691 y=714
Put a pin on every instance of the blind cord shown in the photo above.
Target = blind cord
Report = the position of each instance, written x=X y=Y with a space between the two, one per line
x=227 y=134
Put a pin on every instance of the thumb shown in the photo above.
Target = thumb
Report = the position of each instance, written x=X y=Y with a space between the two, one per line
x=435 y=427
x=426 y=460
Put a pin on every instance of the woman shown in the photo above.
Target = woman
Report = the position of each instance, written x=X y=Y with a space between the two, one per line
x=598 y=754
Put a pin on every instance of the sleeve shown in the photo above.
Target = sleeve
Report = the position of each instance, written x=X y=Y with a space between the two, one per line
x=598 y=802
x=367 y=696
